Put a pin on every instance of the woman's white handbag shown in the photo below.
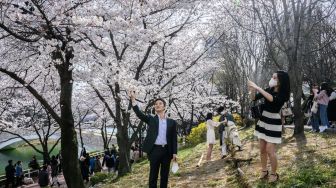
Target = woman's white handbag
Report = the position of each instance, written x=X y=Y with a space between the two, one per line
x=286 y=110
x=314 y=107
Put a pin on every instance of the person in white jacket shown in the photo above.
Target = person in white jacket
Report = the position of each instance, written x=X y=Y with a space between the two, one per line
x=230 y=135
x=210 y=124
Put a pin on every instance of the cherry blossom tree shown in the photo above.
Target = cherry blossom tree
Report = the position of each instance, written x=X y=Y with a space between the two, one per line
x=101 y=49
x=149 y=45
x=37 y=41
x=25 y=117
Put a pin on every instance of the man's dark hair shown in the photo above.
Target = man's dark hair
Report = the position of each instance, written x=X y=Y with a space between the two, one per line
x=160 y=99
x=10 y=161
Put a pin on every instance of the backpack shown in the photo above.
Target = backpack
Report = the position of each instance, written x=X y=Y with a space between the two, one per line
x=110 y=162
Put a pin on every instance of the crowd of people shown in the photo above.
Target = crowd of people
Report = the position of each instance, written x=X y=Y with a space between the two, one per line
x=317 y=106
x=47 y=175
x=91 y=165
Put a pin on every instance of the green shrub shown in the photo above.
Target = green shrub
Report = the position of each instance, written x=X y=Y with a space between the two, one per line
x=198 y=133
x=99 y=177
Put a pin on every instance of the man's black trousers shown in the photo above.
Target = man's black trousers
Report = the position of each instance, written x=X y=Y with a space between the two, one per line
x=159 y=159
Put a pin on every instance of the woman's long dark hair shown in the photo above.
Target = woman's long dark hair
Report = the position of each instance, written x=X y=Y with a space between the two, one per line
x=208 y=116
x=325 y=86
x=220 y=109
x=284 y=88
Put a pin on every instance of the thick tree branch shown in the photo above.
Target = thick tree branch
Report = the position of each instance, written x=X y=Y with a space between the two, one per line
x=17 y=36
x=35 y=93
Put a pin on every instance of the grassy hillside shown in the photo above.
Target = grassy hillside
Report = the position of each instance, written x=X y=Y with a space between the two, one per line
x=303 y=162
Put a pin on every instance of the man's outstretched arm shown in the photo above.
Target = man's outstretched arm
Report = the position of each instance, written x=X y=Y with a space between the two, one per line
x=138 y=112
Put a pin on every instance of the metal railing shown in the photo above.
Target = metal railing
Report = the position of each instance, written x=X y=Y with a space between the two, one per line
x=26 y=173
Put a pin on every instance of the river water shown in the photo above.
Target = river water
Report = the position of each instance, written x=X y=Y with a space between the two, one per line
x=24 y=154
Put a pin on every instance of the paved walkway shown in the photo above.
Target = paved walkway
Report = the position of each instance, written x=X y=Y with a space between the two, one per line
x=61 y=180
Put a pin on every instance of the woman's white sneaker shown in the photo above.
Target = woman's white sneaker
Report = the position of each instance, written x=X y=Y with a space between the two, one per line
x=323 y=128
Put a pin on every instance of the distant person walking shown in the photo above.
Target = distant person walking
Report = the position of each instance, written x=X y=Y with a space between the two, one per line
x=43 y=177
x=19 y=174
x=92 y=165
x=84 y=168
x=60 y=161
x=54 y=171
x=98 y=165
x=322 y=97
x=33 y=164
x=10 y=174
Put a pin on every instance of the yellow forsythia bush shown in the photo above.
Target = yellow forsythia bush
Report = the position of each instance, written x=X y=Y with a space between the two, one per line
x=238 y=119
x=198 y=133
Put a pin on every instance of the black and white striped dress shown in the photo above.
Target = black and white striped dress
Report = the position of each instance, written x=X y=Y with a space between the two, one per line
x=269 y=127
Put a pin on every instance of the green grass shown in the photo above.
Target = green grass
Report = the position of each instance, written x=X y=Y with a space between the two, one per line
x=101 y=178
x=304 y=177
x=315 y=164
x=310 y=162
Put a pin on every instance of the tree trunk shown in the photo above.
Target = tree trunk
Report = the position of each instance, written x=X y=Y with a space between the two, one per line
x=46 y=156
x=296 y=88
x=69 y=143
x=191 y=119
x=122 y=137
x=295 y=58
x=124 y=152
x=103 y=134
x=80 y=135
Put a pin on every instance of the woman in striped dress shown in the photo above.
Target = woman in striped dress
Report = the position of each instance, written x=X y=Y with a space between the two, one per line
x=269 y=127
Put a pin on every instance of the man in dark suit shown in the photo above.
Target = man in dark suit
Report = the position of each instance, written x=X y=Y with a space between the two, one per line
x=160 y=143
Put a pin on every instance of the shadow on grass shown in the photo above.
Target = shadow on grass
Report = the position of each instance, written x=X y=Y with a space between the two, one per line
x=310 y=168
x=313 y=168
